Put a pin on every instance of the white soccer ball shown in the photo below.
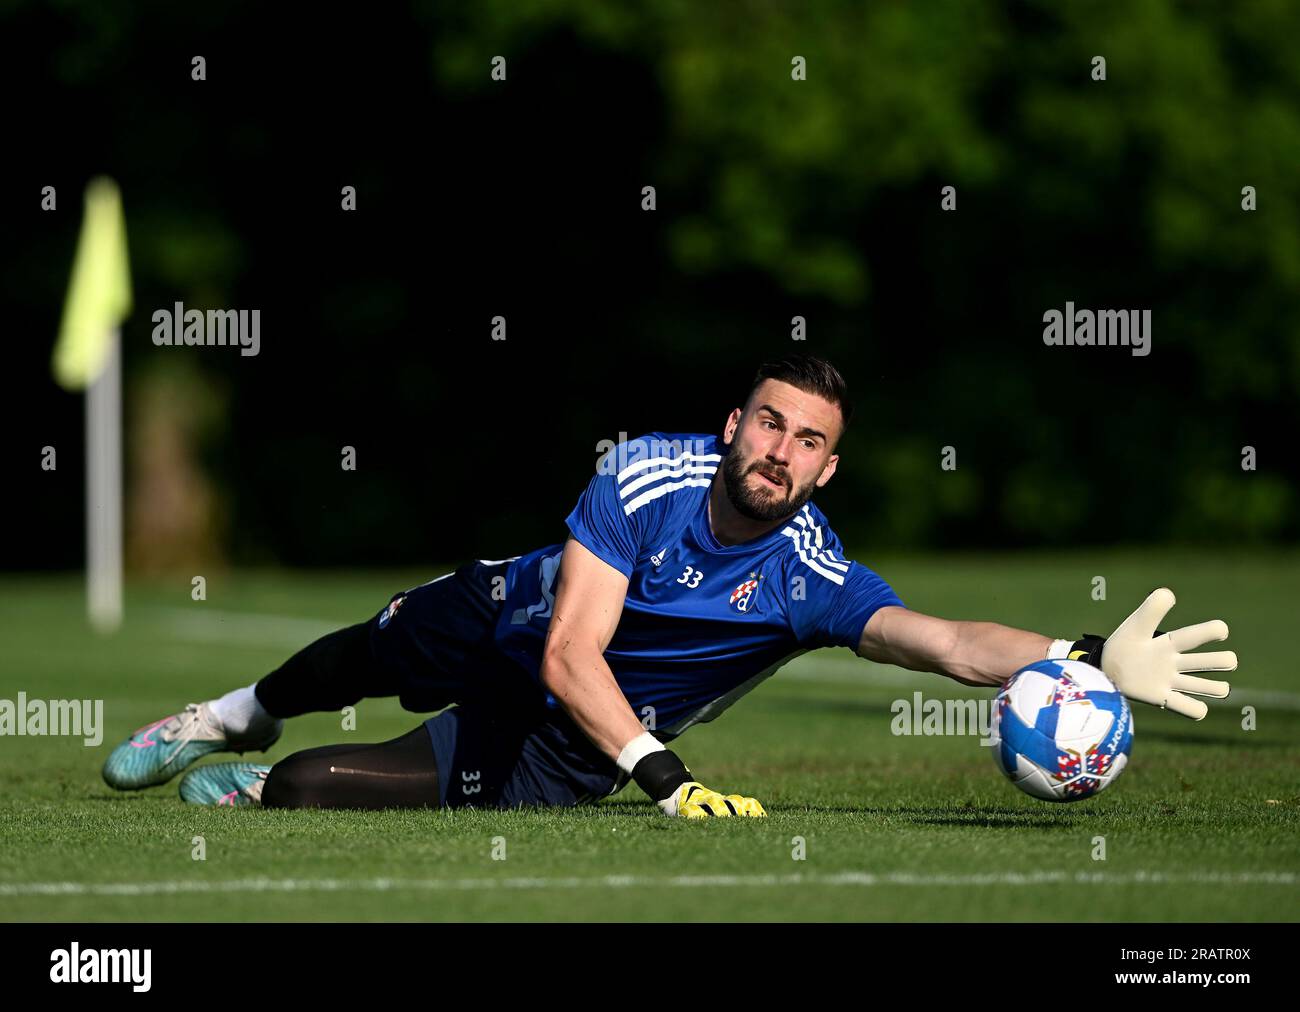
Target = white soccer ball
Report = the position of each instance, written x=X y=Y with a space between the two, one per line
x=1061 y=730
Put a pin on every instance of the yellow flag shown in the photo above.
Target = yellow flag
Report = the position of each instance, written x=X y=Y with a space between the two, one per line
x=99 y=295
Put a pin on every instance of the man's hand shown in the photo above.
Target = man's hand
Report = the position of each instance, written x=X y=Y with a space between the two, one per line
x=692 y=800
x=1155 y=670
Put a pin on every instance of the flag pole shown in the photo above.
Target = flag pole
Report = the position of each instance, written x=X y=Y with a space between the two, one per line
x=88 y=356
x=104 y=492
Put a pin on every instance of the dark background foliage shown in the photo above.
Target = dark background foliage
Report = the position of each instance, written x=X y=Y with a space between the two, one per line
x=776 y=198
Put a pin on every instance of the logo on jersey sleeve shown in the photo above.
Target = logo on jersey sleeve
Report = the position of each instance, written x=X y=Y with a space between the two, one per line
x=743 y=595
x=387 y=614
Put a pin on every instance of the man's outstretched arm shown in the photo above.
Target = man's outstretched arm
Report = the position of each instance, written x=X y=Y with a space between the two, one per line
x=973 y=653
x=1144 y=664
x=588 y=605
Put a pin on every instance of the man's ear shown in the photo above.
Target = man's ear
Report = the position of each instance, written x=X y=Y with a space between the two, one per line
x=729 y=430
x=828 y=471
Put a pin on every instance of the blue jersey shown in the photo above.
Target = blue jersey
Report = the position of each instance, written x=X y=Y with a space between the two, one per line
x=703 y=622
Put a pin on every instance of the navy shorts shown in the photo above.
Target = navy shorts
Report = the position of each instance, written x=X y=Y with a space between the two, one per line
x=497 y=744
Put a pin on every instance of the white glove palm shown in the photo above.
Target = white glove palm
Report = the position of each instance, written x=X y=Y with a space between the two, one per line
x=1155 y=670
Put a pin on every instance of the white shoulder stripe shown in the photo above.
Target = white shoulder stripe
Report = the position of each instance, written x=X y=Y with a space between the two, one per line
x=818 y=563
x=827 y=558
x=812 y=528
x=641 y=465
x=660 y=490
x=654 y=476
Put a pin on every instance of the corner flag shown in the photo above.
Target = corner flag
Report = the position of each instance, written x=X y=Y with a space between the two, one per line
x=99 y=295
x=88 y=355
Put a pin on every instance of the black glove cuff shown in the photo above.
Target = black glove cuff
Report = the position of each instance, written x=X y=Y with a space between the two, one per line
x=660 y=773
x=1089 y=648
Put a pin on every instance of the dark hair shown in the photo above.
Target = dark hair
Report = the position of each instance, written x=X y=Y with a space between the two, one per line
x=812 y=375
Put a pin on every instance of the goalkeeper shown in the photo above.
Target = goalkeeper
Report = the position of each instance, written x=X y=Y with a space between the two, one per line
x=695 y=566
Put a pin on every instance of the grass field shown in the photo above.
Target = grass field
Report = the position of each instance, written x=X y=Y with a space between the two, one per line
x=1204 y=823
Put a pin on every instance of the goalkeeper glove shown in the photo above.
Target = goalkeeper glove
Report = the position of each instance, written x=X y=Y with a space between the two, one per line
x=692 y=800
x=665 y=778
x=1151 y=666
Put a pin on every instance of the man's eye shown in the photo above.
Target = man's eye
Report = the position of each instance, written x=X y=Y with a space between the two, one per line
x=808 y=444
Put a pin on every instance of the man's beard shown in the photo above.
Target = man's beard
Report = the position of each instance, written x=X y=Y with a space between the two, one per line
x=755 y=505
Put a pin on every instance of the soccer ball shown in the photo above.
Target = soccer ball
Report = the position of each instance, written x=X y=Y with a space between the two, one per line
x=1061 y=730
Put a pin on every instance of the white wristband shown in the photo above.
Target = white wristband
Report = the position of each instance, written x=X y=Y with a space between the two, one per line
x=637 y=749
x=1059 y=649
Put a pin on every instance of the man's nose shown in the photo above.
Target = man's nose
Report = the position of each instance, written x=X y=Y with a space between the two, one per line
x=779 y=452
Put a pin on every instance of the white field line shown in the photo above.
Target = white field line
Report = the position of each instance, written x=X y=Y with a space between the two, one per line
x=907 y=879
x=243 y=629
x=254 y=629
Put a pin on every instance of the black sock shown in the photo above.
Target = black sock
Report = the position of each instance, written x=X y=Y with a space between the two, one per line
x=337 y=670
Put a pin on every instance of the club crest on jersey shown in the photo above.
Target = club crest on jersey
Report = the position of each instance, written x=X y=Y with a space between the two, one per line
x=744 y=594
x=387 y=614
